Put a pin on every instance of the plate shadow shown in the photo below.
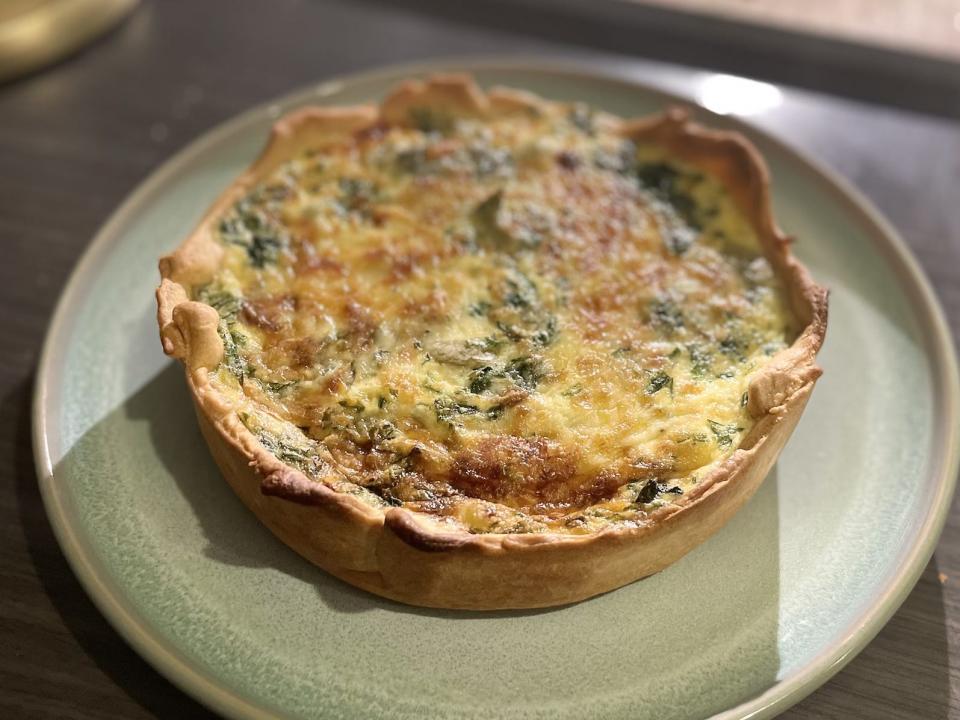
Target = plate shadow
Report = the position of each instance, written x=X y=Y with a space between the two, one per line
x=234 y=536
x=95 y=637
x=164 y=403
x=915 y=637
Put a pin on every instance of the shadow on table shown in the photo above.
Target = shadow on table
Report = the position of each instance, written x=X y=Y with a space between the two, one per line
x=98 y=639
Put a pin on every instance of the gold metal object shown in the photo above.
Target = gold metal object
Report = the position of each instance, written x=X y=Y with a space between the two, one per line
x=34 y=33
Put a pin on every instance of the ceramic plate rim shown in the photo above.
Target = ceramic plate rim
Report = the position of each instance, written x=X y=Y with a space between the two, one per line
x=784 y=693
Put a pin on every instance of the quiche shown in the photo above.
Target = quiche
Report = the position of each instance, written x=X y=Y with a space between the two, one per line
x=478 y=349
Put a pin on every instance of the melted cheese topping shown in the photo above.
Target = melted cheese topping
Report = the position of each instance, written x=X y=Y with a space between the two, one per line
x=519 y=325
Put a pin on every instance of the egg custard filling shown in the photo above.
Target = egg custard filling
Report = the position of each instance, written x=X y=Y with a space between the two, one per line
x=525 y=324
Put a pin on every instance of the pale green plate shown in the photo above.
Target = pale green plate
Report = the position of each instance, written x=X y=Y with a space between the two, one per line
x=744 y=626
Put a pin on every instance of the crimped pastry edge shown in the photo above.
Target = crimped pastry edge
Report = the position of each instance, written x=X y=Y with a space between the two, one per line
x=400 y=554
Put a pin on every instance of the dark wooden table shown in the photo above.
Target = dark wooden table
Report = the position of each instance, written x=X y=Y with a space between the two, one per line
x=77 y=138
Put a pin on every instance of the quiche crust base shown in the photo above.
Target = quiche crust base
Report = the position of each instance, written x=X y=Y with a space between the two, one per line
x=406 y=556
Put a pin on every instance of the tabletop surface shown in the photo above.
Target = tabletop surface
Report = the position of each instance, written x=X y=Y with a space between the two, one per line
x=77 y=138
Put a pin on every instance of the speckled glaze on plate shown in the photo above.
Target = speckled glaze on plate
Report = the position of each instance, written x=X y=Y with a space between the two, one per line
x=744 y=626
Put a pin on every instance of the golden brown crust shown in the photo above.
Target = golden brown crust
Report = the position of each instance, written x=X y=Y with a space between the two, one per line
x=406 y=556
